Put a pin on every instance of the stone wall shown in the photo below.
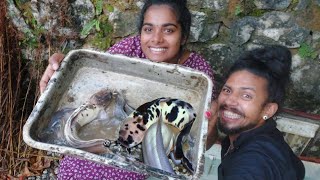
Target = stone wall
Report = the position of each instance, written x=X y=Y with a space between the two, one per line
x=221 y=30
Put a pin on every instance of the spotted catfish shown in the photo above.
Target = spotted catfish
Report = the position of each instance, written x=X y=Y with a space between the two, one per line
x=175 y=112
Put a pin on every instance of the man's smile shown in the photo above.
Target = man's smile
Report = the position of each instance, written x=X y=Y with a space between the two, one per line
x=231 y=115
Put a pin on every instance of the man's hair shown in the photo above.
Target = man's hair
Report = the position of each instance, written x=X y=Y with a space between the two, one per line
x=180 y=9
x=272 y=62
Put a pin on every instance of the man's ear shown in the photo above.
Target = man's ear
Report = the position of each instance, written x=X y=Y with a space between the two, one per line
x=270 y=109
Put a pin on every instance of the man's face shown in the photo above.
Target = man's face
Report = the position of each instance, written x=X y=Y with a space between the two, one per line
x=242 y=102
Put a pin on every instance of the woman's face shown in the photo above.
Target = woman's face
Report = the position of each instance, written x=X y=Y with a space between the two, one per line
x=161 y=36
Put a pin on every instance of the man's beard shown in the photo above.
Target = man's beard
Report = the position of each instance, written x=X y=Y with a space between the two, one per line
x=236 y=130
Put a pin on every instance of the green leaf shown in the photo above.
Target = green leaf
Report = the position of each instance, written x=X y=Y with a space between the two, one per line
x=306 y=51
x=87 y=28
x=34 y=22
x=98 y=26
x=99 y=7
x=110 y=8
x=238 y=10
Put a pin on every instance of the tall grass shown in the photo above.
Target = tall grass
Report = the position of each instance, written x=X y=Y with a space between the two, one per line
x=12 y=114
x=18 y=94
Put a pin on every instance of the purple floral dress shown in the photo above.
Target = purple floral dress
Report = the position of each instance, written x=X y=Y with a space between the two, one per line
x=131 y=47
x=76 y=168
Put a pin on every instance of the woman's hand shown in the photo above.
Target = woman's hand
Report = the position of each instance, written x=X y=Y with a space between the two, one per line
x=212 y=117
x=54 y=63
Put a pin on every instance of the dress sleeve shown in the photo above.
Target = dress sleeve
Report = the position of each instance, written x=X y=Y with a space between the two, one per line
x=128 y=46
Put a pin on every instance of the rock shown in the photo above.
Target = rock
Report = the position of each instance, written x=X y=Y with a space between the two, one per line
x=82 y=12
x=303 y=5
x=272 y=4
x=242 y=29
x=282 y=28
x=124 y=23
x=305 y=92
x=210 y=31
x=216 y=4
x=221 y=58
x=196 y=29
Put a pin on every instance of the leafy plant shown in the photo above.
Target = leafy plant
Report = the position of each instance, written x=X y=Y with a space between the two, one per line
x=103 y=30
x=99 y=18
x=88 y=27
x=102 y=39
x=109 y=8
x=306 y=51
x=295 y=2
x=257 y=12
x=32 y=34
x=98 y=6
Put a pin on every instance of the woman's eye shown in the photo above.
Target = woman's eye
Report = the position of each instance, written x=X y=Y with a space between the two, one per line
x=147 y=29
x=168 y=31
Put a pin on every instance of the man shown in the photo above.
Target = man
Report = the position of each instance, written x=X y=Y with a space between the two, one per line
x=251 y=96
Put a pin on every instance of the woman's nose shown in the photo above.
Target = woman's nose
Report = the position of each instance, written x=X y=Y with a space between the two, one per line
x=157 y=36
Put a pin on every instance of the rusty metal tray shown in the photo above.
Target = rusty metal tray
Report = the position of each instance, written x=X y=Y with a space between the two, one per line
x=83 y=72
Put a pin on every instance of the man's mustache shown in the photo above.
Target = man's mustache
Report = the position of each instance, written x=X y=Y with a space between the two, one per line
x=232 y=109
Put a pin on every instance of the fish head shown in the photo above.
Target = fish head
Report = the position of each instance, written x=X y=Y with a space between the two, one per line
x=132 y=131
x=102 y=97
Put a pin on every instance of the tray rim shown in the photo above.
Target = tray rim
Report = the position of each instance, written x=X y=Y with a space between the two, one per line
x=98 y=158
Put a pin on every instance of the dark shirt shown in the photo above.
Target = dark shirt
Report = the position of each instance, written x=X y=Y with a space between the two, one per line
x=260 y=153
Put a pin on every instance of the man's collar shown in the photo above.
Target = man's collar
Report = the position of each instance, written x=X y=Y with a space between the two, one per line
x=269 y=126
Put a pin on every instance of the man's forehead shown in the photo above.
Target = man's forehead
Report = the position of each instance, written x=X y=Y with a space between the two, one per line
x=240 y=86
x=245 y=80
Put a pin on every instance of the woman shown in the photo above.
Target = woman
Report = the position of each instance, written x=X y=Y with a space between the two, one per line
x=163 y=33
x=164 y=28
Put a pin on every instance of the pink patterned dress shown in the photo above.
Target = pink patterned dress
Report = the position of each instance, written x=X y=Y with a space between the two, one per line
x=131 y=47
x=76 y=168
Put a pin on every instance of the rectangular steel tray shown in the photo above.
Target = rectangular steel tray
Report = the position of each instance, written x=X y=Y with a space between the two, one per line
x=84 y=72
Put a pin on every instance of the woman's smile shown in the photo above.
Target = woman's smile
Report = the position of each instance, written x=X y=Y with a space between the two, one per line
x=157 y=49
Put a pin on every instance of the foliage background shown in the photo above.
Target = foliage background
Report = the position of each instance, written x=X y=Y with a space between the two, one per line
x=30 y=31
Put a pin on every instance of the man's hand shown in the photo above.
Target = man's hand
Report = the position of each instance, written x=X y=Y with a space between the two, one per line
x=212 y=117
x=54 y=63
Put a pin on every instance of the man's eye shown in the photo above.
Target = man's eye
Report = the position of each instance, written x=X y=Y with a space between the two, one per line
x=226 y=90
x=247 y=96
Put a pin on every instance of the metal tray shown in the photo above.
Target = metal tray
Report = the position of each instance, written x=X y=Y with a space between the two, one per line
x=84 y=72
